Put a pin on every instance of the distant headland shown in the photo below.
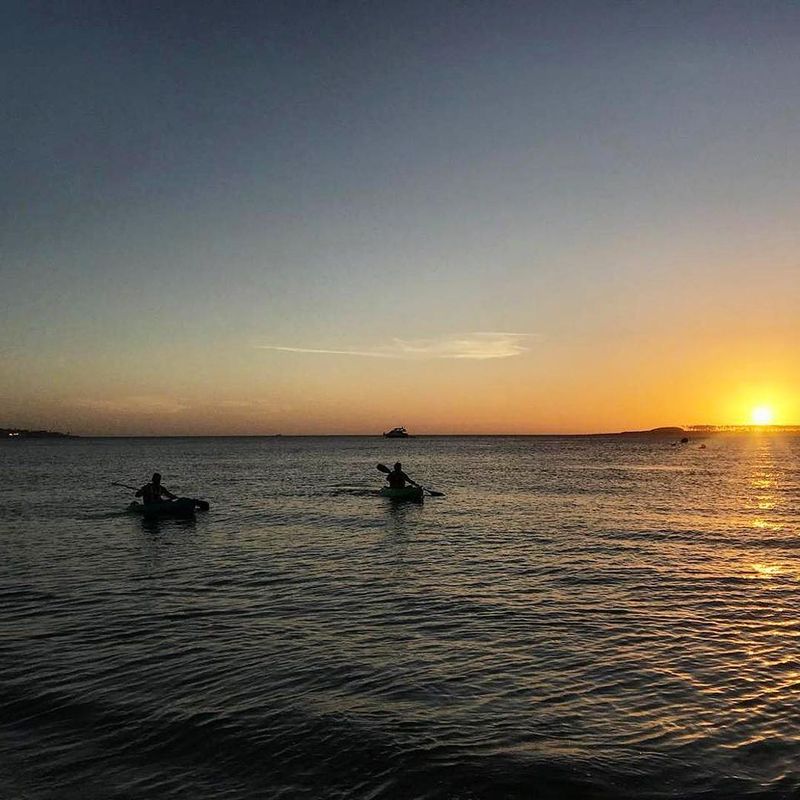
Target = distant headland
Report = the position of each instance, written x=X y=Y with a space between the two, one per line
x=695 y=431
x=669 y=432
x=24 y=433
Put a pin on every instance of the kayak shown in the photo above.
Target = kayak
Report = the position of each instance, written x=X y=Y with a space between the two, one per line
x=182 y=507
x=406 y=493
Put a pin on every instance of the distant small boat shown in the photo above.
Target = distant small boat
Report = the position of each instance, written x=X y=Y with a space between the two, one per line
x=397 y=433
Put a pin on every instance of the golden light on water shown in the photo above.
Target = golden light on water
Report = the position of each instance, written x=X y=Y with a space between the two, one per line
x=762 y=415
x=767 y=570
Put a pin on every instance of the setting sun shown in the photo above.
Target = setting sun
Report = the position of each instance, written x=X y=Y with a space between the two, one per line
x=762 y=415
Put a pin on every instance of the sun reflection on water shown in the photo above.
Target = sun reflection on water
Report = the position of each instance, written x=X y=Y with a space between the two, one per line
x=767 y=570
x=764 y=524
x=764 y=485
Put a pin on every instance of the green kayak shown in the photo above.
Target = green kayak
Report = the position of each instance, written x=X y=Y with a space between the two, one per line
x=182 y=507
x=406 y=493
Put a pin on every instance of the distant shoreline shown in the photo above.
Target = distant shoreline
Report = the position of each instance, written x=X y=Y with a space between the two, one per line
x=25 y=433
x=690 y=432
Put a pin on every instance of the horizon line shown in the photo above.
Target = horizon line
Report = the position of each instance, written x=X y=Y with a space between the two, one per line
x=664 y=430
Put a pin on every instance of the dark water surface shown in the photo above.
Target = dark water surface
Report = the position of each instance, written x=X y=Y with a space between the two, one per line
x=576 y=618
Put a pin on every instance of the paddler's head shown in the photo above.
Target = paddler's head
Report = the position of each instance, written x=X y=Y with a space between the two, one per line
x=156 y=478
x=398 y=467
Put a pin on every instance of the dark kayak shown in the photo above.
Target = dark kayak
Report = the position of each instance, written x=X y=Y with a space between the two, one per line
x=406 y=493
x=182 y=507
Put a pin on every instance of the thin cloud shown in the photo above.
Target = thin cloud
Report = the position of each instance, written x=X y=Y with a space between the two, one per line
x=164 y=405
x=139 y=404
x=244 y=404
x=479 y=346
x=368 y=353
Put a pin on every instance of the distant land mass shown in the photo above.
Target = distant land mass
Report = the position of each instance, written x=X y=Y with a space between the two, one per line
x=24 y=433
x=743 y=429
x=695 y=431
x=669 y=432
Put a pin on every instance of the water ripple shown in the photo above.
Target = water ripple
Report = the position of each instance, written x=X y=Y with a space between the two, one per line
x=595 y=618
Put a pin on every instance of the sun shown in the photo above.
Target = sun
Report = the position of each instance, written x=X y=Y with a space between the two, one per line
x=761 y=415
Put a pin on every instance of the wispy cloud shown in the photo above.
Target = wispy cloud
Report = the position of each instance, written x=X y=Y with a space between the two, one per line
x=368 y=353
x=244 y=404
x=139 y=404
x=479 y=345
x=162 y=404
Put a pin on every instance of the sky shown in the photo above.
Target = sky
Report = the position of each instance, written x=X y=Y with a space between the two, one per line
x=339 y=217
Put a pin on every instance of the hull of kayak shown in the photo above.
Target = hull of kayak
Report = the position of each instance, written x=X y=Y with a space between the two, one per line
x=182 y=507
x=407 y=493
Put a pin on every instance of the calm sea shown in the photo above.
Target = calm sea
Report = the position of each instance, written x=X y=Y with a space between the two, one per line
x=610 y=618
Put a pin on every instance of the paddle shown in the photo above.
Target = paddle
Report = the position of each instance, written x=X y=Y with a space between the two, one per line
x=431 y=492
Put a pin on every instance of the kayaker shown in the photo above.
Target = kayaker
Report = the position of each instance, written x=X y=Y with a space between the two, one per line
x=398 y=479
x=153 y=492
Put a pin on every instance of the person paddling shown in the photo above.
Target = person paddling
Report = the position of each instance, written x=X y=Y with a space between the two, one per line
x=153 y=492
x=398 y=479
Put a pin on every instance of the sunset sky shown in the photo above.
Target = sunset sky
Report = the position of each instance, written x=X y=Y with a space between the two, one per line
x=338 y=217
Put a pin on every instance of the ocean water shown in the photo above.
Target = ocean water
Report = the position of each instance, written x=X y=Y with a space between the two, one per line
x=577 y=617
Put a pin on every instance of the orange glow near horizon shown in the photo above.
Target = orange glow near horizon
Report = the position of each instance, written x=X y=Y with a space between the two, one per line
x=557 y=386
